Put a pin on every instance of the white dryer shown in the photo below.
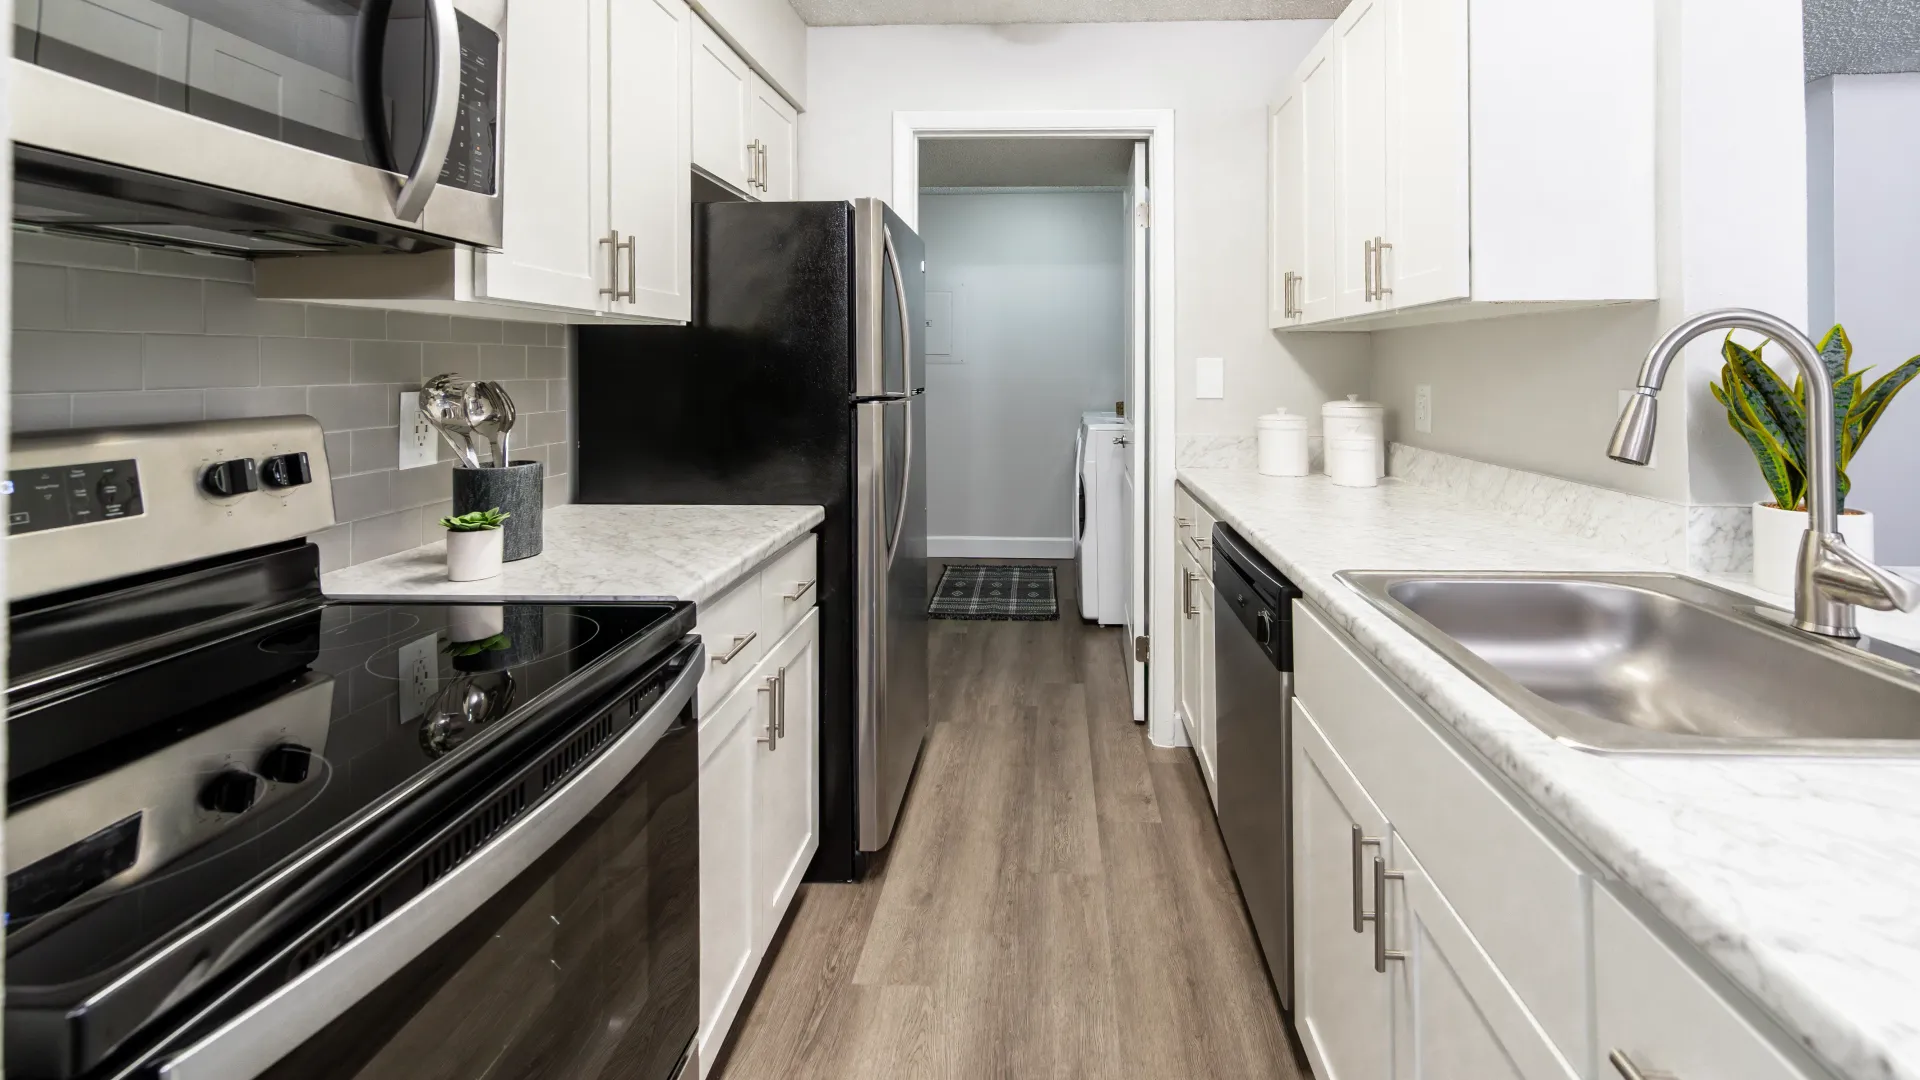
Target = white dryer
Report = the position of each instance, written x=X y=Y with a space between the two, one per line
x=1101 y=509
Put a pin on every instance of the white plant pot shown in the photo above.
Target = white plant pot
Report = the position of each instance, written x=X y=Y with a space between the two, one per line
x=1776 y=543
x=472 y=556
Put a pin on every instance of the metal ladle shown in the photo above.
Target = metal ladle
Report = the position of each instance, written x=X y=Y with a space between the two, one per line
x=490 y=417
x=443 y=400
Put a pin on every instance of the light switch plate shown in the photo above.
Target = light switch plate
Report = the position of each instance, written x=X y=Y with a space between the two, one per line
x=1423 y=408
x=940 y=326
x=1210 y=377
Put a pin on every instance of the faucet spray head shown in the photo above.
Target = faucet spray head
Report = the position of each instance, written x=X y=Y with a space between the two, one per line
x=1633 y=435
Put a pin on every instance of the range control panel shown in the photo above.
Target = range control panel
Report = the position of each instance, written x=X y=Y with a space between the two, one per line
x=54 y=498
x=85 y=506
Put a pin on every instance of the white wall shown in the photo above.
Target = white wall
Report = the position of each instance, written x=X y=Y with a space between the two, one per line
x=1038 y=284
x=1541 y=392
x=1864 y=233
x=1218 y=79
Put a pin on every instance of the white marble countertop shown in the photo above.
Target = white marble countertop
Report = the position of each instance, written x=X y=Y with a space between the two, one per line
x=599 y=552
x=1800 y=878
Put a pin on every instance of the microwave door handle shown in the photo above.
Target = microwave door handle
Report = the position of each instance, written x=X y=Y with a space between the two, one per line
x=443 y=115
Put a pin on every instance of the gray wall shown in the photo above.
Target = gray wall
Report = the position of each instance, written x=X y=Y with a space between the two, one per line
x=1864 y=242
x=114 y=334
x=1038 y=283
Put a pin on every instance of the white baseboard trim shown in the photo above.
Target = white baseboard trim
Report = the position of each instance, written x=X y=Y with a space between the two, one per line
x=1000 y=547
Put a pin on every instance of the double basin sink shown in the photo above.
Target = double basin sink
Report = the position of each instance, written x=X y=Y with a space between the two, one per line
x=1652 y=663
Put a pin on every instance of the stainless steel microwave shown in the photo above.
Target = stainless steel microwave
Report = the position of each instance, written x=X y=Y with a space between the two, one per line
x=254 y=126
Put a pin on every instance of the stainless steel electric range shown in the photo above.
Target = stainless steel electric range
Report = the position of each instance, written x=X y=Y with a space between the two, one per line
x=251 y=832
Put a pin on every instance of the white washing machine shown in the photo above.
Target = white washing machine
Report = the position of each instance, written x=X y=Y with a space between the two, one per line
x=1101 y=512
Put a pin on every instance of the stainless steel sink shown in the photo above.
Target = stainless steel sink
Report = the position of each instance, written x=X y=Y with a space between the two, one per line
x=1658 y=663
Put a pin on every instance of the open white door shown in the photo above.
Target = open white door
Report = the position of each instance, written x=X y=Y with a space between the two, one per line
x=1139 y=217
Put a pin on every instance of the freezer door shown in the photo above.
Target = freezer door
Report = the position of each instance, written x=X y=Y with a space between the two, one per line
x=889 y=278
x=891 y=607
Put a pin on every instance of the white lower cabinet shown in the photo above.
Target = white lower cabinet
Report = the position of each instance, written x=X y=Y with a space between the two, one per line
x=759 y=789
x=1193 y=662
x=1498 y=953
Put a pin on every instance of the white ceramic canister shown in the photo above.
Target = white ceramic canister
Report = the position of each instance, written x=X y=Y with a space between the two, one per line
x=474 y=555
x=1354 y=418
x=1350 y=461
x=1283 y=443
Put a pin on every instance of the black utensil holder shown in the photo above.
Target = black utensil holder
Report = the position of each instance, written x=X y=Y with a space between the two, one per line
x=519 y=490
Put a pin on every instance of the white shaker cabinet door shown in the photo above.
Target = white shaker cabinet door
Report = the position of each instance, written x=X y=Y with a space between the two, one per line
x=775 y=125
x=728 y=951
x=1320 y=232
x=722 y=93
x=786 y=787
x=1360 y=146
x=553 y=174
x=1341 y=1004
x=1286 y=208
x=1428 y=196
x=650 y=153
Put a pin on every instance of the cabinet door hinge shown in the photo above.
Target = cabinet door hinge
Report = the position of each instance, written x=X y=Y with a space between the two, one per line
x=1140 y=649
x=1143 y=215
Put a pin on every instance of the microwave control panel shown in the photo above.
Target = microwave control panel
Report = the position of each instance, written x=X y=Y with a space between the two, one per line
x=471 y=157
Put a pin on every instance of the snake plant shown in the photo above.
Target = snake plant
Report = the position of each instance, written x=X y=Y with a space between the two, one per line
x=1772 y=417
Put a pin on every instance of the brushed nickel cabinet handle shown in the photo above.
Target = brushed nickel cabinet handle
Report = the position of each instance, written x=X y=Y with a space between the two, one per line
x=1360 y=840
x=1183 y=523
x=739 y=643
x=1624 y=1065
x=753 y=163
x=780 y=714
x=632 y=244
x=1186 y=592
x=1366 y=272
x=771 y=688
x=612 y=242
x=800 y=589
x=1381 y=290
x=1381 y=954
x=765 y=172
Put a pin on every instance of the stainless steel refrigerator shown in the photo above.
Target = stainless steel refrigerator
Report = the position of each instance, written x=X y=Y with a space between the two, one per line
x=801 y=380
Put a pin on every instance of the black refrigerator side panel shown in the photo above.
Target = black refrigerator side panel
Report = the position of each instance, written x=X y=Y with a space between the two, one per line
x=750 y=405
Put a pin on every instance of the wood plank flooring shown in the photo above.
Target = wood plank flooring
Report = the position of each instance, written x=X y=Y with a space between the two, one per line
x=1056 y=901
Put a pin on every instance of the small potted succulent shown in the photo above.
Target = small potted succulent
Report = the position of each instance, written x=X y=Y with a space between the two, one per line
x=1771 y=417
x=474 y=544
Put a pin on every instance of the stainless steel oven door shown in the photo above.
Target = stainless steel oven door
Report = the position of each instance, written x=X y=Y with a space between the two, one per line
x=348 y=107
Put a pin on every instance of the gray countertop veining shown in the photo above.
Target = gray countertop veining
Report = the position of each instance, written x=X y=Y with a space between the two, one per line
x=599 y=552
x=1799 y=878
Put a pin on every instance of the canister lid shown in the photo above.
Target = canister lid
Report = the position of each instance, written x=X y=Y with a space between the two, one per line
x=1352 y=407
x=1282 y=420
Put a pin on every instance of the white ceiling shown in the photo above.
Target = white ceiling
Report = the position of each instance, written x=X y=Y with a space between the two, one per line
x=1025 y=162
x=1862 y=37
x=885 y=12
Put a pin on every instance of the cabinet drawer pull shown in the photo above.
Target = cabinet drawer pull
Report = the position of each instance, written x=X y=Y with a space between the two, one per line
x=1360 y=917
x=1183 y=523
x=799 y=589
x=1186 y=592
x=739 y=643
x=1624 y=1065
x=1381 y=954
x=780 y=709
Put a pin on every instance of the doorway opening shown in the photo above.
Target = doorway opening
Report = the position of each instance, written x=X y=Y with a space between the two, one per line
x=1049 y=288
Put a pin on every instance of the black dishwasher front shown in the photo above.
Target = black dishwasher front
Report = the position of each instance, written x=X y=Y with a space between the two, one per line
x=1253 y=688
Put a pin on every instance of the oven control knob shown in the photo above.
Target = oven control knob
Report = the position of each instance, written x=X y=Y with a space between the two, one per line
x=231 y=792
x=288 y=763
x=286 y=470
x=236 y=477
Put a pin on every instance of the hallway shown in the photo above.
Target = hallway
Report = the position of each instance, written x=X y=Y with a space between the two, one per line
x=1056 y=901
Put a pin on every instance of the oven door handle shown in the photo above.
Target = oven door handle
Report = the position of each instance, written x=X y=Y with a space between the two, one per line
x=273 y=1027
x=443 y=115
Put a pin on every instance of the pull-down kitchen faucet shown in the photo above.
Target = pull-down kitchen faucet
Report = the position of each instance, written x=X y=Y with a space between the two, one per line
x=1830 y=578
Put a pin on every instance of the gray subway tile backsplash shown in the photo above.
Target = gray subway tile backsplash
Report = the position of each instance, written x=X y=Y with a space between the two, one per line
x=112 y=334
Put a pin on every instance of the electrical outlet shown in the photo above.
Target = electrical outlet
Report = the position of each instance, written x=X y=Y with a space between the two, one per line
x=419 y=668
x=1423 y=408
x=1653 y=460
x=419 y=443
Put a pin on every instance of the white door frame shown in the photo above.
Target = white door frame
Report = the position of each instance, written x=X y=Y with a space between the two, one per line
x=1155 y=126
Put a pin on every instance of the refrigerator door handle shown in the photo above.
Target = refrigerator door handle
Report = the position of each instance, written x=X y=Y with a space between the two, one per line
x=906 y=485
x=906 y=319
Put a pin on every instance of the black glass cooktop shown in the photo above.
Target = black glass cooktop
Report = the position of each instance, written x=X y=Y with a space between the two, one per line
x=155 y=786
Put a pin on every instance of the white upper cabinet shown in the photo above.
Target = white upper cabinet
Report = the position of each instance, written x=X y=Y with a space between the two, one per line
x=773 y=125
x=722 y=93
x=745 y=134
x=1474 y=171
x=649 y=151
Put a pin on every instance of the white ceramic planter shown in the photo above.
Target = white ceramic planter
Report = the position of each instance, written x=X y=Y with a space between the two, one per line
x=1776 y=543
x=472 y=556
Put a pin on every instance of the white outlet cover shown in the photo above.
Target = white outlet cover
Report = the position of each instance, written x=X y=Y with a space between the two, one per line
x=1423 y=408
x=418 y=663
x=419 y=443
x=1210 y=377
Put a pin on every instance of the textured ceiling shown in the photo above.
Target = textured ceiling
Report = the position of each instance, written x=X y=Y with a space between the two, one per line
x=1862 y=37
x=886 y=12
x=1028 y=162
